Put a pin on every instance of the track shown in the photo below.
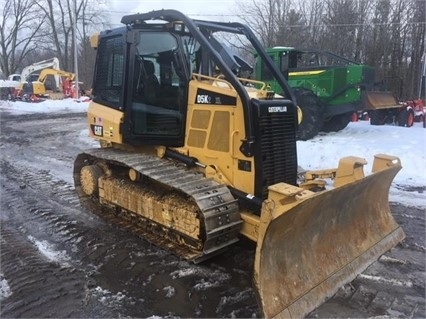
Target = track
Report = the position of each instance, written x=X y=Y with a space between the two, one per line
x=58 y=260
x=197 y=208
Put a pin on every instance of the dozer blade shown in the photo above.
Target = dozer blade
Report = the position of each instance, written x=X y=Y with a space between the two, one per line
x=312 y=245
x=380 y=100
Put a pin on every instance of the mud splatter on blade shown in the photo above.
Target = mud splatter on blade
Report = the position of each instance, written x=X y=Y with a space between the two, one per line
x=305 y=253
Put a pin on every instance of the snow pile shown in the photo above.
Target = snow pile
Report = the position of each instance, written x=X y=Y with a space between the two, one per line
x=47 y=106
x=364 y=140
x=8 y=84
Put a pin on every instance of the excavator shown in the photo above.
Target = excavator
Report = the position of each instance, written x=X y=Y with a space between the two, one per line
x=197 y=156
x=28 y=74
x=52 y=63
x=37 y=89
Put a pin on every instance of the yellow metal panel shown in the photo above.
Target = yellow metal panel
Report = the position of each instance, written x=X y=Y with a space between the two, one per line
x=306 y=73
x=250 y=228
x=224 y=128
x=38 y=88
x=380 y=100
x=243 y=180
x=200 y=119
x=197 y=138
x=94 y=40
x=104 y=123
x=219 y=133
x=314 y=243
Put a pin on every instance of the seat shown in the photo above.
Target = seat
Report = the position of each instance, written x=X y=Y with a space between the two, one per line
x=150 y=81
x=145 y=81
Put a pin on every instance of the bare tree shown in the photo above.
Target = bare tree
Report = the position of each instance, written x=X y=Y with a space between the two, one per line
x=89 y=20
x=291 y=25
x=59 y=18
x=19 y=35
x=407 y=37
x=60 y=15
x=378 y=40
x=259 y=16
x=313 y=12
x=363 y=13
x=416 y=45
x=386 y=34
x=340 y=27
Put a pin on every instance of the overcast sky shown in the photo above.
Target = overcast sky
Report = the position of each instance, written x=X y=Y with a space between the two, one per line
x=219 y=10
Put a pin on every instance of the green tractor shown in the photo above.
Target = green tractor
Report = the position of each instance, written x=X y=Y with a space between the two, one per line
x=329 y=89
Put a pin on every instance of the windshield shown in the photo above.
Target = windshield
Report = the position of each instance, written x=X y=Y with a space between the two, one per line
x=153 y=43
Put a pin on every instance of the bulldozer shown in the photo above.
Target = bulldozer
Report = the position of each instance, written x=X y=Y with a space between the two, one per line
x=197 y=158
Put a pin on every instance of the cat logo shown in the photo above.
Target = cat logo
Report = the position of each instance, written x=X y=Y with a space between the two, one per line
x=97 y=130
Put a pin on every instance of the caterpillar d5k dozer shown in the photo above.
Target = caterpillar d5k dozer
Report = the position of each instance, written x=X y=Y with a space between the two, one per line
x=197 y=159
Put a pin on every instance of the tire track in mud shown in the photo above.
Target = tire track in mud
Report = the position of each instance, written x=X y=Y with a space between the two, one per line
x=44 y=281
x=122 y=272
x=39 y=288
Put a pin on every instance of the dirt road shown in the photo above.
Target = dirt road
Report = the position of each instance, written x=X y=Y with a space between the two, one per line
x=58 y=260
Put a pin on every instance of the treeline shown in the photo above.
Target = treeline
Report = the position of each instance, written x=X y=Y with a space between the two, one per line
x=386 y=34
x=36 y=30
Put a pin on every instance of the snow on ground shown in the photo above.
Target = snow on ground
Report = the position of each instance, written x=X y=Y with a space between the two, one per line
x=364 y=140
x=4 y=288
x=8 y=83
x=324 y=151
x=47 y=250
x=48 y=106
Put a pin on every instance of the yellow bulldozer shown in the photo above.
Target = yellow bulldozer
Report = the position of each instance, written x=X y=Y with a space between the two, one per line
x=197 y=159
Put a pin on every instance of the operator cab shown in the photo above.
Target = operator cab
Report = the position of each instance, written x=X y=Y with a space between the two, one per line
x=153 y=93
x=157 y=99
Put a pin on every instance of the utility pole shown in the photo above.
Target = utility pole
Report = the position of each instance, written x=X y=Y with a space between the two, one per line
x=75 y=49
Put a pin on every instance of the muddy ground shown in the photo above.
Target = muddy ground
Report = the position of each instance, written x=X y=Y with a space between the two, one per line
x=58 y=260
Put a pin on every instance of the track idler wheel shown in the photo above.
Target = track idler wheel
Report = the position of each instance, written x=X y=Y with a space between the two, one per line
x=89 y=176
